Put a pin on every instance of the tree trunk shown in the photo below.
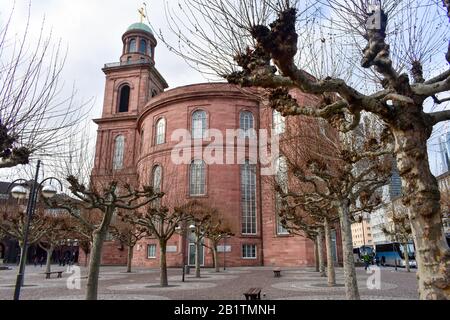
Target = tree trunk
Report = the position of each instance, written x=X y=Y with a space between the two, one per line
x=320 y=252
x=94 y=264
x=350 y=280
x=330 y=263
x=215 y=259
x=25 y=258
x=48 y=264
x=129 y=258
x=198 y=247
x=163 y=280
x=316 y=256
x=423 y=201
x=406 y=253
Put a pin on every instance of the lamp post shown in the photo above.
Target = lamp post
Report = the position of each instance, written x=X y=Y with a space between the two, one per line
x=179 y=230
x=20 y=192
x=225 y=250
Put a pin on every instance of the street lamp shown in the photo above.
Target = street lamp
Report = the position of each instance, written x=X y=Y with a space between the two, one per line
x=20 y=192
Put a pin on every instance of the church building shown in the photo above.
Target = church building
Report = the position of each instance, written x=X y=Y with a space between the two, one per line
x=138 y=133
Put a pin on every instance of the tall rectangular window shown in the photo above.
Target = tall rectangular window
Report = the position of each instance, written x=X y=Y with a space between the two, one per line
x=197 y=178
x=199 y=126
x=249 y=251
x=248 y=198
x=282 y=181
x=151 y=251
x=119 y=144
x=160 y=131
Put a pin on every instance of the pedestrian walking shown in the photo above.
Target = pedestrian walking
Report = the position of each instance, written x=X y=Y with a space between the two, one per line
x=366 y=259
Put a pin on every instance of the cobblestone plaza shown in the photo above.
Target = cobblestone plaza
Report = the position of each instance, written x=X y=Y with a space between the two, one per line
x=143 y=284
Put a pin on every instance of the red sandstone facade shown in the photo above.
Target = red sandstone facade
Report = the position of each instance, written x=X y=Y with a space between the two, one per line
x=136 y=122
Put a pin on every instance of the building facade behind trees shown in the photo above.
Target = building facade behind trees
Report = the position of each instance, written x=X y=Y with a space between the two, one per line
x=135 y=142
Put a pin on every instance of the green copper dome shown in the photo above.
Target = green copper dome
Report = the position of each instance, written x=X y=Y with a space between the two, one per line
x=140 y=26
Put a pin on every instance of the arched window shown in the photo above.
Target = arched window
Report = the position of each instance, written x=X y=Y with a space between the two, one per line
x=199 y=126
x=119 y=145
x=157 y=178
x=248 y=198
x=143 y=47
x=132 y=46
x=246 y=123
x=279 y=122
x=124 y=98
x=160 y=131
x=197 y=178
x=282 y=181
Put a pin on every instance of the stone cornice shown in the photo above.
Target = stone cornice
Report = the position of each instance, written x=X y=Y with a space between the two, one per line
x=195 y=92
x=116 y=118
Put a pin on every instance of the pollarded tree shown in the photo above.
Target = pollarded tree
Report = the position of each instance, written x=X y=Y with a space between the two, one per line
x=339 y=179
x=14 y=219
x=160 y=222
x=300 y=222
x=105 y=203
x=399 y=56
x=399 y=229
x=61 y=229
x=215 y=231
x=128 y=234
x=200 y=219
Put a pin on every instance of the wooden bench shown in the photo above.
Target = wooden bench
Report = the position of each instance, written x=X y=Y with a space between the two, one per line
x=277 y=272
x=48 y=274
x=253 y=294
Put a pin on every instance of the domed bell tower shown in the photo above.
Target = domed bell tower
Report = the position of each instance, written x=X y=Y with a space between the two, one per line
x=130 y=84
x=138 y=44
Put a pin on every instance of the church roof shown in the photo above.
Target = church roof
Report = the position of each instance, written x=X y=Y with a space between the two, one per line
x=140 y=26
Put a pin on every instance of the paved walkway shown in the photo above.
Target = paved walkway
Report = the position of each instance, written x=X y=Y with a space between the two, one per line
x=143 y=284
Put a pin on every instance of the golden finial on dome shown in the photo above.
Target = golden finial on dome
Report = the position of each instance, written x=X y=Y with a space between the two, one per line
x=142 y=12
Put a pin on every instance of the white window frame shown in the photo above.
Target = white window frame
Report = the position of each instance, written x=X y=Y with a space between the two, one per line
x=247 y=124
x=244 y=251
x=119 y=151
x=148 y=251
x=249 y=217
x=282 y=180
x=197 y=178
x=160 y=137
x=199 y=124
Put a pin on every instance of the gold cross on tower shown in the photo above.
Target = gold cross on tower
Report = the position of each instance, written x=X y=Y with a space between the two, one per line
x=142 y=13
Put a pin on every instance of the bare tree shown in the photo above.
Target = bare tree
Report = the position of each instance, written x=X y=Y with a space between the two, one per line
x=200 y=215
x=14 y=218
x=398 y=73
x=128 y=234
x=161 y=223
x=106 y=202
x=35 y=120
x=215 y=231
x=334 y=180
x=399 y=229
x=61 y=228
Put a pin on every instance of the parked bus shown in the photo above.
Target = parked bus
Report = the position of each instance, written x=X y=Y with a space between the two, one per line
x=392 y=254
x=358 y=253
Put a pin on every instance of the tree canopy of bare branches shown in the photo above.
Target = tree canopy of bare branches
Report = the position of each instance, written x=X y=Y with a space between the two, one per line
x=398 y=52
x=35 y=119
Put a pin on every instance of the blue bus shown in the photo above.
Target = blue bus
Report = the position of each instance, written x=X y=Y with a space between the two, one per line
x=393 y=254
